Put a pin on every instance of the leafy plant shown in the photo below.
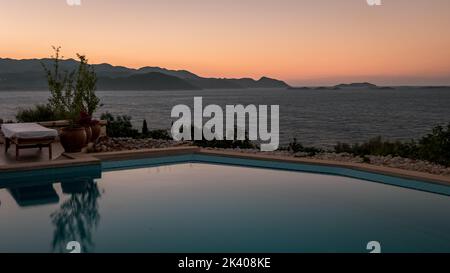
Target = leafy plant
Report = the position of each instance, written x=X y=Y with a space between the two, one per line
x=297 y=147
x=38 y=113
x=155 y=134
x=379 y=146
x=5 y=121
x=224 y=144
x=84 y=119
x=71 y=92
x=119 y=126
x=158 y=134
x=60 y=84
x=85 y=86
x=434 y=147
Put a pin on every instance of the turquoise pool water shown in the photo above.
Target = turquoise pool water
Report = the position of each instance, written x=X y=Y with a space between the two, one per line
x=204 y=207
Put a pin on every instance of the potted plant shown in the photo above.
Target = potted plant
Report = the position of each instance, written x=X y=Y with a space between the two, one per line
x=86 y=85
x=73 y=97
x=73 y=137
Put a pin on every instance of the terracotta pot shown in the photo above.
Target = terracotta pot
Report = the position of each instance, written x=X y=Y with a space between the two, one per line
x=96 y=129
x=88 y=134
x=73 y=139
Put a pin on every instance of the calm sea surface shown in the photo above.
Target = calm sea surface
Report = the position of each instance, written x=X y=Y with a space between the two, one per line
x=314 y=117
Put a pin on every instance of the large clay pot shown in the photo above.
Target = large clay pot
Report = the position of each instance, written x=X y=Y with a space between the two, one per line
x=96 y=130
x=73 y=139
x=88 y=134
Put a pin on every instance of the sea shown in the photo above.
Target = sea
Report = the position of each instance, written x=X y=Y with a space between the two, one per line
x=314 y=117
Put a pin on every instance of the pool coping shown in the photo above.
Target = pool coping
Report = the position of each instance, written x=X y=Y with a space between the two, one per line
x=145 y=153
x=402 y=173
x=80 y=159
x=384 y=170
x=64 y=160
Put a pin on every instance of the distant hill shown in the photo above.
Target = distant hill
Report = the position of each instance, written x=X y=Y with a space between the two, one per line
x=29 y=75
x=265 y=82
x=300 y=88
x=147 y=81
x=213 y=83
x=364 y=85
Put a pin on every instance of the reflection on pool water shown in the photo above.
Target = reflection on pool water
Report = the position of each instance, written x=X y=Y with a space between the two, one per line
x=195 y=207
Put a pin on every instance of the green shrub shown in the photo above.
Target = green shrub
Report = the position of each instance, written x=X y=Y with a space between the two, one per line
x=155 y=134
x=2 y=121
x=297 y=147
x=119 y=126
x=225 y=144
x=37 y=113
x=343 y=148
x=434 y=147
x=158 y=134
x=380 y=147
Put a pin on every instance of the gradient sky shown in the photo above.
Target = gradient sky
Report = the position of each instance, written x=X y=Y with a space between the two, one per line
x=305 y=42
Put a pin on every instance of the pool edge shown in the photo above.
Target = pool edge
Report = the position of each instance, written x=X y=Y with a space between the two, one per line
x=382 y=170
x=184 y=154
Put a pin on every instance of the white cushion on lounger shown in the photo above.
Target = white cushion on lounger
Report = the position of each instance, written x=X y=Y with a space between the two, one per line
x=27 y=131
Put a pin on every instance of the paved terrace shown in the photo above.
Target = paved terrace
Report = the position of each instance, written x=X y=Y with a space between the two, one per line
x=35 y=156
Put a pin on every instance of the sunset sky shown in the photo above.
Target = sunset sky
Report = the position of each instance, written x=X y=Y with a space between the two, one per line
x=304 y=42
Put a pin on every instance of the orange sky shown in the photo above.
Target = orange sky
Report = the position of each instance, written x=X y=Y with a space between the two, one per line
x=303 y=42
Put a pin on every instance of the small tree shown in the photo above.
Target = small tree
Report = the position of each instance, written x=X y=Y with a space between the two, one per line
x=119 y=126
x=144 y=128
x=60 y=86
x=86 y=84
x=435 y=147
x=71 y=93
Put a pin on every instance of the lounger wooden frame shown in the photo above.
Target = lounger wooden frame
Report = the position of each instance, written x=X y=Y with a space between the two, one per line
x=26 y=143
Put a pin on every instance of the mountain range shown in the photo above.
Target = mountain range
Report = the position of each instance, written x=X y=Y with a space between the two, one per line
x=29 y=75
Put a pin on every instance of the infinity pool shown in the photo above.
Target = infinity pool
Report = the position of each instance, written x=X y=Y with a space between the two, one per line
x=198 y=207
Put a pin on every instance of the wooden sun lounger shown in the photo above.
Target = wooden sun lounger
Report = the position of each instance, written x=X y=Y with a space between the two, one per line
x=28 y=135
x=23 y=143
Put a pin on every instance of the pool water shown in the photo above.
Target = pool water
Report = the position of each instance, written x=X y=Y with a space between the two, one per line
x=197 y=207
